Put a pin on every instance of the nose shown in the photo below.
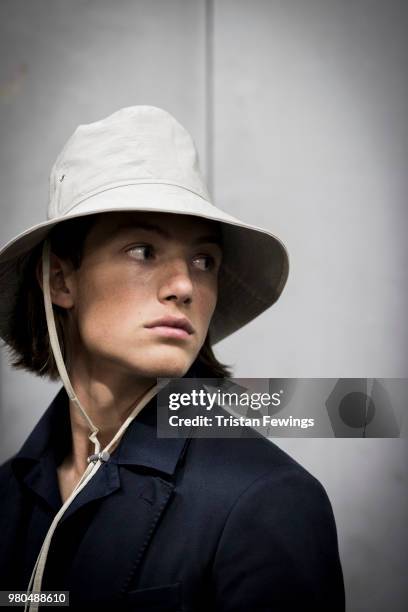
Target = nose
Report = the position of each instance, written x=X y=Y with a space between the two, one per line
x=176 y=285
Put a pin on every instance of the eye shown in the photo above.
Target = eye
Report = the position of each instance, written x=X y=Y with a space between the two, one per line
x=207 y=262
x=141 y=251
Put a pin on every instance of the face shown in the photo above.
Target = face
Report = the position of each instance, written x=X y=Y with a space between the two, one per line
x=138 y=268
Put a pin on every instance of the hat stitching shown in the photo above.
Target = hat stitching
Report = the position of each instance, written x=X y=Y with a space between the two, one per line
x=143 y=182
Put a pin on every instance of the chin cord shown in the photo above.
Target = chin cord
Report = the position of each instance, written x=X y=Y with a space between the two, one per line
x=98 y=457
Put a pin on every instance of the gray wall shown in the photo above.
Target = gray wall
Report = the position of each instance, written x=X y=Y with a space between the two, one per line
x=298 y=109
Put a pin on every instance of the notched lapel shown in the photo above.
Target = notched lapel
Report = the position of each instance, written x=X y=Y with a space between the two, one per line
x=113 y=546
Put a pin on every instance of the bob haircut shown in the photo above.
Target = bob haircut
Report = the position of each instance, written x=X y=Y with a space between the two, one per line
x=28 y=340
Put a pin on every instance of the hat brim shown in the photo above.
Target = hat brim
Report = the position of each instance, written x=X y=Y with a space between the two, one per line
x=252 y=276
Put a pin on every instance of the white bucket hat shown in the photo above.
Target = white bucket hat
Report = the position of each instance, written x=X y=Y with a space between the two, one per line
x=141 y=159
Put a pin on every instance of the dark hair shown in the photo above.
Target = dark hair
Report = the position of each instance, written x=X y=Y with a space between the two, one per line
x=28 y=339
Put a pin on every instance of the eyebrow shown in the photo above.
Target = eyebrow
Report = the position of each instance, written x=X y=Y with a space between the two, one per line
x=152 y=227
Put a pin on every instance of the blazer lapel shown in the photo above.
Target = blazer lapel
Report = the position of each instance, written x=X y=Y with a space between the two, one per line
x=112 y=548
x=111 y=522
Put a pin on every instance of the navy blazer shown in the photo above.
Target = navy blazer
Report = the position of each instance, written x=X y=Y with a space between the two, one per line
x=193 y=525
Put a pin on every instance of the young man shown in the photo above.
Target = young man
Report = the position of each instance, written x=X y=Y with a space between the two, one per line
x=135 y=276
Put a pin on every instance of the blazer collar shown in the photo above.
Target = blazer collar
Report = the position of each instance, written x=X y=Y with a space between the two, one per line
x=139 y=445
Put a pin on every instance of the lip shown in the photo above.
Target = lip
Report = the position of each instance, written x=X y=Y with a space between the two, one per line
x=177 y=327
x=170 y=332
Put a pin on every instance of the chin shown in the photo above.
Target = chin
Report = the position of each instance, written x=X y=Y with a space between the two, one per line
x=165 y=362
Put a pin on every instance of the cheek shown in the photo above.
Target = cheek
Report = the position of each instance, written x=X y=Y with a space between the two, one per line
x=206 y=301
x=110 y=303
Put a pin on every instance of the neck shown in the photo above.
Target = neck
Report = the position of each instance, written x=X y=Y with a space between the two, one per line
x=107 y=398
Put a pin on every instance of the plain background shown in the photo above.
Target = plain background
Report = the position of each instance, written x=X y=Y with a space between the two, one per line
x=298 y=109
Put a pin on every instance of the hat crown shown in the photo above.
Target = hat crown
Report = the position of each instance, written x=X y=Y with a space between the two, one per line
x=134 y=145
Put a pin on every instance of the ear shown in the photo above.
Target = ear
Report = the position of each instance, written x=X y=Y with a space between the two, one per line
x=61 y=281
